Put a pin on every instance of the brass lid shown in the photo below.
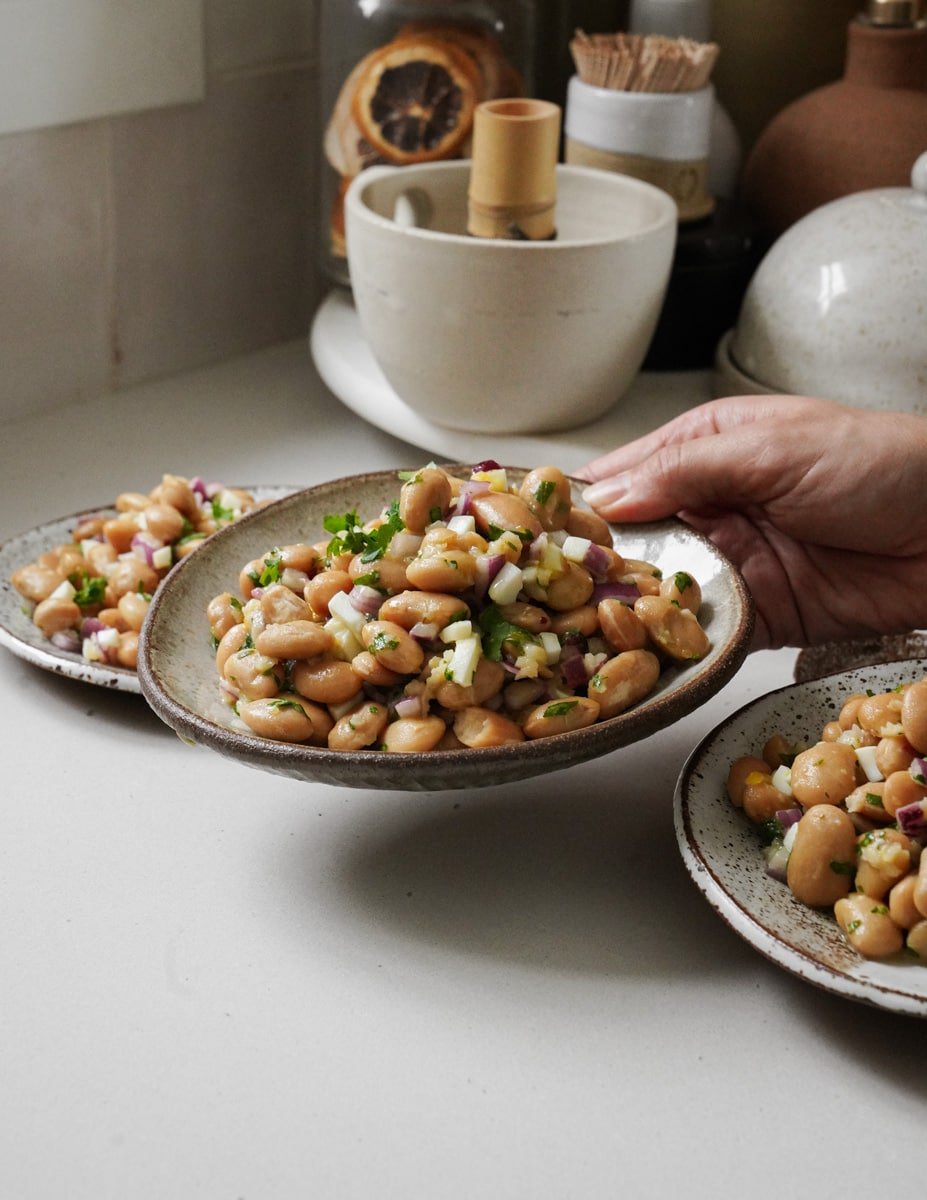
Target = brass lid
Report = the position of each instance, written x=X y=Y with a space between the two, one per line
x=897 y=13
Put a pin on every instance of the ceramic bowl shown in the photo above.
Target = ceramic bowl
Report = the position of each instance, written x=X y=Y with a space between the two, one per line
x=503 y=336
x=178 y=674
x=724 y=856
x=836 y=307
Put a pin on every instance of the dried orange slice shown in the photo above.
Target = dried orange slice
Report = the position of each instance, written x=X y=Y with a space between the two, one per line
x=415 y=100
x=498 y=79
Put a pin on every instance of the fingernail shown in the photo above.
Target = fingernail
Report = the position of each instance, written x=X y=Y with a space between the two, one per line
x=606 y=491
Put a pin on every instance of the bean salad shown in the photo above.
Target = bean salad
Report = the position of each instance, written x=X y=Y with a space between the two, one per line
x=845 y=820
x=469 y=613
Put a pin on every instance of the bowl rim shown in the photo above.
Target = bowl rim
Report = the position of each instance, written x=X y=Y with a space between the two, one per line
x=427 y=771
x=356 y=206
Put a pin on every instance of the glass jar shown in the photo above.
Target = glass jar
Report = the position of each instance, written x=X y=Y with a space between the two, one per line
x=399 y=80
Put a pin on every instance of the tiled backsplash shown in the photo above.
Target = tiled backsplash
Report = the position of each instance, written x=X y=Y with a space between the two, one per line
x=144 y=244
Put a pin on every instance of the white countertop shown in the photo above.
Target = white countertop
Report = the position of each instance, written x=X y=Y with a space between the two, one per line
x=219 y=983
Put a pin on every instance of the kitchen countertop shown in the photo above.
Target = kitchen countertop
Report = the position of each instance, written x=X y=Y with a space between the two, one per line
x=221 y=983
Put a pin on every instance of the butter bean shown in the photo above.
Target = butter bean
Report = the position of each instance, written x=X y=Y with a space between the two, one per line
x=279 y=604
x=823 y=774
x=294 y=639
x=451 y=571
x=230 y=643
x=222 y=612
x=624 y=680
x=823 y=858
x=547 y=492
x=504 y=510
x=883 y=858
x=176 y=491
x=393 y=647
x=762 y=801
x=919 y=895
x=133 y=607
x=875 y=713
x=119 y=531
x=54 y=615
x=561 y=716
x=300 y=556
x=35 y=582
x=526 y=616
x=424 y=499
x=675 y=630
x=413 y=735
x=901 y=906
x=738 y=773
x=581 y=522
x=583 y=620
x=164 y=521
x=127 y=649
x=488 y=679
x=253 y=675
x=409 y=608
x=850 y=709
x=622 y=628
x=868 y=926
x=893 y=754
x=320 y=589
x=285 y=718
x=482 y=727
x=331 y=682
x=899 y=789
x=366 y=667
x=132 y=575
x=682 y=589
x=132 y=502
x=914 y=715
x=916 y=940
x=362 y=726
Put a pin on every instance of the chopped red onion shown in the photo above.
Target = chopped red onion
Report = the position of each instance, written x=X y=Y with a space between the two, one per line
x=257 y=593
x=918 y=770
x=144 y=546
x=537 y=547
x=912 y=819
x=597 y=562
x=488 y=567
x=424 y=631
x=627 y=593
x=410 y=706
x=66 y=639
x=91 y=625
x=475 y=487
x=573 y=671
x=463 y=506
x=366 y=600
x=788 y=817
x=198 y=486
x=488 y=464
x=777 y=861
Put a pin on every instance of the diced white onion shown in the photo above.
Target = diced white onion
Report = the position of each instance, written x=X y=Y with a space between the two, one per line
x=162 y=558
x=341 y=607
x=467 y=653
x=341 y=710
x=789 y=840
x=551 y=644
x=464 y=524
x=456 y=631
x=866 y=758
x=782 y=779
x=64 y=591
x=505 y=587
x=576 y=548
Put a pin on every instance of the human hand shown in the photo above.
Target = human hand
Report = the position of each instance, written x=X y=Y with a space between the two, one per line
x=822 y=507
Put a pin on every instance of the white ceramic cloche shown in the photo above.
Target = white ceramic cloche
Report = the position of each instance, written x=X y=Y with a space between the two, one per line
x=838 y=306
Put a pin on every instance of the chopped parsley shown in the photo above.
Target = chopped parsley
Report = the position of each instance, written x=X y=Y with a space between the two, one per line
x=853 y=926
x=682 y=581
x=771 y=831
x=219 y=513
x=880 y=910
x=269 y=572
x=382 y=641
x=841 y=868
x=281 y=702
x=90 y=591
x=496 y=631
x=349 y=538
x=496 y=531
x=874 y=800
x=409 y=476
x=560 y=708
x=371 y=579
x=545 y=490
x=436 y=513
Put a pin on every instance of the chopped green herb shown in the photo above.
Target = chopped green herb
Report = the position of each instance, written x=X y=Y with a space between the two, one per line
x=853 y=926
x=597 y=683
x=560 y=708
x=771 y=831
x=682 y=581
x=219 y=513
x=382 y=641
x=496 y=631
x=281 y=702
x=874 y=800
x=435 y=513
x=409 y=476
x=349 y=538
x=880 y=910
x=235 y=603
x=371 y=579
x=270 y=572
x=545 y=490
x=90 y=592
x=841 y=868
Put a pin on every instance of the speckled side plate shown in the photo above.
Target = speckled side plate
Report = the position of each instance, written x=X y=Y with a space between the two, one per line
x=24 y=639
x=722 y=851
x=179 y=680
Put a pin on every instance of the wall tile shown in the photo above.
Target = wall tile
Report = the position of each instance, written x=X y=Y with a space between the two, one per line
x=54 y=279
x=248 y=33
x=214 y=224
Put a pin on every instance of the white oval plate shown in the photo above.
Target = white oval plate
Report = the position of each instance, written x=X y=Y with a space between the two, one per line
x=25 y=640
x=722 y=852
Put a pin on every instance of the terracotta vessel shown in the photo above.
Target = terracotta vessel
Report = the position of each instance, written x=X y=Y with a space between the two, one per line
x=864 y=131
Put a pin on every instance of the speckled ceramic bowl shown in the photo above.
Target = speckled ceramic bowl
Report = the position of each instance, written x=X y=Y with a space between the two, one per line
x=722 y=851
x=836 y=308
x=179 y=679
